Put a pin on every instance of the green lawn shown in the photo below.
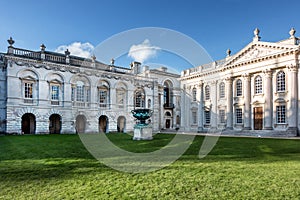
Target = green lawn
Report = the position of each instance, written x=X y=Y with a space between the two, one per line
x=59 y=167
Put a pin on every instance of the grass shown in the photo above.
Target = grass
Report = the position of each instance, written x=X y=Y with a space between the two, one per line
x=59 y=167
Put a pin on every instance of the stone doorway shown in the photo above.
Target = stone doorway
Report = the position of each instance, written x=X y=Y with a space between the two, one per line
x=55 y=124
x=258 y=118
x=103 y=124
x=80 y=124
x=121 y=124
x=168 y=123
x=28 y=123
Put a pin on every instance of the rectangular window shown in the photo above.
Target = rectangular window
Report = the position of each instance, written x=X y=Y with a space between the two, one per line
x=280 y=114
x=121 y=98
x=80 y=93
x=28 y=90
x=194 y=94
x=55 y=92
x=73 y=94
x=207 y=117
x=194 y=117
x=102 y=98
x=222 y=116
x=239 y=116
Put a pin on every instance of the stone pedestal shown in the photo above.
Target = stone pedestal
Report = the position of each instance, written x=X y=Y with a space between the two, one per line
x=142 y=132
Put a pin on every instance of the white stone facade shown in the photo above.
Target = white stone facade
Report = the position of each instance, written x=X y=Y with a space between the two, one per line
x=255 y=89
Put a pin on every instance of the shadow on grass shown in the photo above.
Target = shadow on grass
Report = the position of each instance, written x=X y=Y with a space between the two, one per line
x=60 y=156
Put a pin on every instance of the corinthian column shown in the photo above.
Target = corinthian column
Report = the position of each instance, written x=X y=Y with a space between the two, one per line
x=229 y=102
x=292 y=110
x=268 y=100
x=200 y=122
x=247 y=99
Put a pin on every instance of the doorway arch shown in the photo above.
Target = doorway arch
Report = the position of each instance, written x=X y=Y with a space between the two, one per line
x=55 y=124
x=103 y=124
x=121 y=125
x=28 y=123
x=80 y=124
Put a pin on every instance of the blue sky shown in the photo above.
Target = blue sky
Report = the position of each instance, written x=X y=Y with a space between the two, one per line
x=215 y=24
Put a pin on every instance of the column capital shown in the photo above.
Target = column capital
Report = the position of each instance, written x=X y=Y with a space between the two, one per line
x=292 y=67
x=214 y=82
x=228 y=78
x=267 y=72
x=246 y=75
x=200 y=84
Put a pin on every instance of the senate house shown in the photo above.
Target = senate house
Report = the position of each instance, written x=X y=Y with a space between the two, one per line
x=256 y=89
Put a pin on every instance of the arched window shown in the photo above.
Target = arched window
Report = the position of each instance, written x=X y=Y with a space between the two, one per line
x=168 y=94
x=149 y=103
x=103 y=92
x=139 y=98
x=121 y=92
x=222 y=90
x=258 y=85
x=194 y=93
x=80 y=94
x=207 y=92
x=280 y=81
x=239 y=88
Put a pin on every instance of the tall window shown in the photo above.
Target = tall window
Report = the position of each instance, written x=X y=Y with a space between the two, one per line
x=239 y=116
x=280 y=81
x=280 y=114
x=80 y=94
x=168 y=94
x=222 y=116
x=194 y=117
x=103 y=96
x=207 y=92
x=140 y=98
x=207 y=116
x=54 y=92
x=28 y=90
x=222 y=90
x=149 y=103
x=258 y=85
x=121 y=97
x=194 y=93
x=239 y=89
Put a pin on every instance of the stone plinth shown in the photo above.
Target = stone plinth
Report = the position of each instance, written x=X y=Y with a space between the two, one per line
x=142 y=132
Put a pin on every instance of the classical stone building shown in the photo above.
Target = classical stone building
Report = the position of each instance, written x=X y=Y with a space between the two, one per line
x=47 y=92
x=255 y=89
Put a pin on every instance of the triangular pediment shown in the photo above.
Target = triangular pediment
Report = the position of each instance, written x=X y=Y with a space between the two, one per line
x=257 y=50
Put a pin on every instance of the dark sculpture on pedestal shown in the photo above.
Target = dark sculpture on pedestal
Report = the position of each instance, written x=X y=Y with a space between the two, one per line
x=142 y=130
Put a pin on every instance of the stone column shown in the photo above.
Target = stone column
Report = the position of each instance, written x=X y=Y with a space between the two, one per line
x=268 y=100
x=200 y=108
x=229 y=106
x=214 y=98
x=292 y=110
x=247 y=99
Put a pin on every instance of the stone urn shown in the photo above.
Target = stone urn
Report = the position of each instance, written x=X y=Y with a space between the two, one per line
x=142 y=130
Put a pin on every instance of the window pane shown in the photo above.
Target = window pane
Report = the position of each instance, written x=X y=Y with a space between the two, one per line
x=222 y=116
x=54 y=92
x=280 y=114
x=280 y=81
x=239 y=89
x=28 y=89
x=80 y=93
x=222 y=90
x=239 y=116
x=207 y=117
x=258 y=85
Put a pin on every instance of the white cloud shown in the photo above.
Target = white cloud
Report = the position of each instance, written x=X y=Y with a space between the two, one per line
x=142 y=52
x=77 y=49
